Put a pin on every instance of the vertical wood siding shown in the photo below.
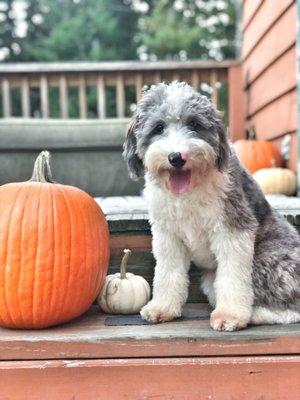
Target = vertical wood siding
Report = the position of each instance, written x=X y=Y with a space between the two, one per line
x=269 y=70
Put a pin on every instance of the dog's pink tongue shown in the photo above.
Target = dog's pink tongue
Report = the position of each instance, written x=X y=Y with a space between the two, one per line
x=180 y=181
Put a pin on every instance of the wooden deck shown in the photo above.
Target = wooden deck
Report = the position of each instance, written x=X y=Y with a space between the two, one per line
x=101 y=357
x=184 y=359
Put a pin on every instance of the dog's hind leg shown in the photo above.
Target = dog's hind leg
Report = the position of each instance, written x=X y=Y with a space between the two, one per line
x=263 y=315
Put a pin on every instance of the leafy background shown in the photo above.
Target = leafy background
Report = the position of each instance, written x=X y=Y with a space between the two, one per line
x=105 y=30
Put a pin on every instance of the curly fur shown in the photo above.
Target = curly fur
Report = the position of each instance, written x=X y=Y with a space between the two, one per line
x=249 y=255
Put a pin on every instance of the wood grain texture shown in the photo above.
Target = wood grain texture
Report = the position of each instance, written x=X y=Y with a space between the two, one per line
x=250 y=7
x=236 y=103
x=217 y=378
x=267 y=15
x=88 y=337
x=276 y=119
x=277 y=80
x=271 y=46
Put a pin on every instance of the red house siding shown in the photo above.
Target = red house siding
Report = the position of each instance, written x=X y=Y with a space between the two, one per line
x=269 y=70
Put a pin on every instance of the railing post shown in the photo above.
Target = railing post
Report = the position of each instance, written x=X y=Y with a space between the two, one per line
x=213 y=84
x=120 y=96
x=236 y=103
x=6 y=100
x=63 y=97
x=195 y=80
x=138 y=86
x=82 y=97
x=101 y=101
x=44 y=96
x=25 y=97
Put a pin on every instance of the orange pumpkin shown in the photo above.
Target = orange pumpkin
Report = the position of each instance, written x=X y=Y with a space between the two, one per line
x=257 y=154
x=54 y=250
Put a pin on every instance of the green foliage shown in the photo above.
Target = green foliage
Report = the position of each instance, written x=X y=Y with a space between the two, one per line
x=203 y=29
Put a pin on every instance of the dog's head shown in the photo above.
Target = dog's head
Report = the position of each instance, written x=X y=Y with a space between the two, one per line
x=177 y=136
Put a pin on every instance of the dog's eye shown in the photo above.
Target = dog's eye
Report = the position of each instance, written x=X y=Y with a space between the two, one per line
x=193 y=124
x=159 y=128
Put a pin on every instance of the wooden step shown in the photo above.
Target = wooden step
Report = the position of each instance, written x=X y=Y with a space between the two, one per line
x=184 y=359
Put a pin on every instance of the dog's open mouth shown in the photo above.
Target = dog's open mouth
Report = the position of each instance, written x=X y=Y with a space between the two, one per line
x=179 y=181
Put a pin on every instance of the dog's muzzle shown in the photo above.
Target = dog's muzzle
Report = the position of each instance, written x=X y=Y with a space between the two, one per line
x=177 y=160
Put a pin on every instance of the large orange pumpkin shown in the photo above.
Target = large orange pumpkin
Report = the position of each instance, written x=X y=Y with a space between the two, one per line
x=54 y=250
x=257 y=154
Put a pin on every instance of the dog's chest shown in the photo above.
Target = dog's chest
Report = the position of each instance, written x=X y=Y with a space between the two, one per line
x=193 y=222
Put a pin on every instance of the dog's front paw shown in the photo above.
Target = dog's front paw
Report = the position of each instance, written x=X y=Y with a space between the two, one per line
x=154 y=312
x=226 y=321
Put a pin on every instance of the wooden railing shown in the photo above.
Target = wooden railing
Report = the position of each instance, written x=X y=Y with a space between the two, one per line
x=31 y=89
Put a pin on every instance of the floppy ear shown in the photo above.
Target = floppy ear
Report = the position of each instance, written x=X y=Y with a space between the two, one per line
x=224 y=149
x=134 y=163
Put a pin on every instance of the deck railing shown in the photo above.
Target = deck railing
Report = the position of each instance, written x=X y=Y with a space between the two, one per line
x=26 y=87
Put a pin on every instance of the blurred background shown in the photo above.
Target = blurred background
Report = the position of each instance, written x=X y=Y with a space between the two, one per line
x=72 y=71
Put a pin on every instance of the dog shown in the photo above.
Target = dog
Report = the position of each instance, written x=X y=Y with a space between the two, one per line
x=205 y=208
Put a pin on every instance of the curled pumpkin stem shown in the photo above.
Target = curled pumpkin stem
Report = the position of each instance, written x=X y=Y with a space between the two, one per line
x=41 y=170
x=124 y=262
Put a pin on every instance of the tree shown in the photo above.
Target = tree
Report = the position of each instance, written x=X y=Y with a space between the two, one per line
x=182 y=29
x=74 y=30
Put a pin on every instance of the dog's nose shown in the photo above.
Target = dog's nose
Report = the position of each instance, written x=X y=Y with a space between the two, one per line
x=176 y=160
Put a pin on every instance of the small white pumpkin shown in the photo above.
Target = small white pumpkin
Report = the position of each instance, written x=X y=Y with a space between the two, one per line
x=124 y=292
x=276 y=180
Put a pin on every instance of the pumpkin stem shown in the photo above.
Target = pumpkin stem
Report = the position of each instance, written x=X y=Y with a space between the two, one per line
x=41 y=170
x=124 y=261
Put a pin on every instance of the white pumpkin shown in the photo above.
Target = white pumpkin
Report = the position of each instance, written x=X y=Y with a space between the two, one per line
x=124 y=292
x=276 y=180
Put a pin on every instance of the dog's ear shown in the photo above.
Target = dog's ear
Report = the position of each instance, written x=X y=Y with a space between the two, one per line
x=224 y=149
x=134 y=163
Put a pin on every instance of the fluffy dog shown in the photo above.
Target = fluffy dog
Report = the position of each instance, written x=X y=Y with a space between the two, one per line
x=204 y=207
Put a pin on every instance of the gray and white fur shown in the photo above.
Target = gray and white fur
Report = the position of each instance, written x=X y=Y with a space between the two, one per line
x=210 y=211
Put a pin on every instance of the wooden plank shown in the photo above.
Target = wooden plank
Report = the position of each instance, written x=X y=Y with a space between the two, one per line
x=25 y=97
x=268 y=14
x=82 y=97
x=213 y=79
x=101 y=101
x=110 y=66
x=250 y=8
x=88 y=337
x=277 y=80
x=138 y=86
x=195 y=81
x=6 y=98
x=272 y=45
x=44 y=96
x=236 y=103
x=217 y=378
x=120 y=96
x=63 y=97
x=276 y=119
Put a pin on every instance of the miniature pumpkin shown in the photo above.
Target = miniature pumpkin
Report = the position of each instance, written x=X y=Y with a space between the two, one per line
x=124 y=292
x=276 y=180
x=257 y=154
x=54 y=250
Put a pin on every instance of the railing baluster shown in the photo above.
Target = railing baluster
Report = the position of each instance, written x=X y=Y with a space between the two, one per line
x=44 y=96
x=101 y=102
x=25 y=97
x=157 y=77
x=213 y=82
x=63 y=97
x=176 y=76
x=82 y=98
x=120 y=96
x=195 y=80
x=138 y=86
x=6 y=99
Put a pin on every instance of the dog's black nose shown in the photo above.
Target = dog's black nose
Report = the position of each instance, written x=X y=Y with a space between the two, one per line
x=176 y=160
